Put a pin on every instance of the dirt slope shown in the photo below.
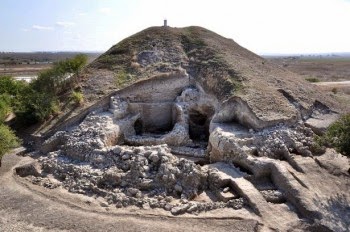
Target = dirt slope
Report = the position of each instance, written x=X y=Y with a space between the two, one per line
x=217 y=64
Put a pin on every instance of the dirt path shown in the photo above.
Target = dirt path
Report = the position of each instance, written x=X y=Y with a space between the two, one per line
x=24 y=209
x=334 y=83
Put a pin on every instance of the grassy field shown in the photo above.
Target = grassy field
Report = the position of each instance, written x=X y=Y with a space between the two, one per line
x=326 y=68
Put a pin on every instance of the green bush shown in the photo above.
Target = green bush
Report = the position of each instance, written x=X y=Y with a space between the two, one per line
x=5 y=106
x=38 y=100
x=337 y=136
x=36 y=107
x=11 y=92
x=8 y=140
x=56 y=79
x=12 y=87
x=77 y=98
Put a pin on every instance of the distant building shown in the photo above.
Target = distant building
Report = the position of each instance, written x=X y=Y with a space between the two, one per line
x=165 y=23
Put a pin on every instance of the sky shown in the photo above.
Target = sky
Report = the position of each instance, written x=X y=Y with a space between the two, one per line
x=262 y=26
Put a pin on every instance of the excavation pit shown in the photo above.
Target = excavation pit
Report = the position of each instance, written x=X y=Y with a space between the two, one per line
x=199 y=121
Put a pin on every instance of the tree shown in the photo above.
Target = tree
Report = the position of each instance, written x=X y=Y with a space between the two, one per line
x=8 y=140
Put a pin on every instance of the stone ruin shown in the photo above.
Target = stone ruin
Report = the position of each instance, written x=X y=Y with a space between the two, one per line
x=166 y=143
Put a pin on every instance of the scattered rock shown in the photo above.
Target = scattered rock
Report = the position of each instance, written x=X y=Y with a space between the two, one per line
x=179 y=209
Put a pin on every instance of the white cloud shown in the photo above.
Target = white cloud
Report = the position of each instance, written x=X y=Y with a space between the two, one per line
x=42 y=28
x=82 y=14
x=65 y=24
x=25 y=29
x=105 y=10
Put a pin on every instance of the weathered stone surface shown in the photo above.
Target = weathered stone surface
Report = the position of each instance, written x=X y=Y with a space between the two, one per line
x=31 y=169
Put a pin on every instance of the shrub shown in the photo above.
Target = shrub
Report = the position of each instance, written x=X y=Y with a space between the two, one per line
x=38 y=100
x=77 y=98
x=11 y=93
x=5 y=106
x=312 y=79
x=335 y=90
x=338 y=136
x=36 y=107
x=56 y=79
x=8 y=140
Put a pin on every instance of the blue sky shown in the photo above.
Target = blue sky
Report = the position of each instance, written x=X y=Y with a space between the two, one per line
x=263 y=26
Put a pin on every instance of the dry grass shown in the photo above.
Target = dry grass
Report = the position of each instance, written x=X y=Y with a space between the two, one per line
x=323 y=69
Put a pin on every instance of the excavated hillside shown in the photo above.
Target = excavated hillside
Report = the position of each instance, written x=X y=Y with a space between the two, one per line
x=181 y=121
x=220 y=66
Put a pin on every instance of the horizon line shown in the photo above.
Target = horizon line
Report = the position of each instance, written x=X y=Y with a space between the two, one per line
x=261 y=54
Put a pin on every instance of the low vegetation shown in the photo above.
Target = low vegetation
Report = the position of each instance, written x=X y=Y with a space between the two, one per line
x=5 y=107
x=38 y=100
x=77 y=98
x=8 y=140
x=42 y=95
x=8 y=93
x=337 y=136
x=312 y=79
x=122 y=78
x=334 y=90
